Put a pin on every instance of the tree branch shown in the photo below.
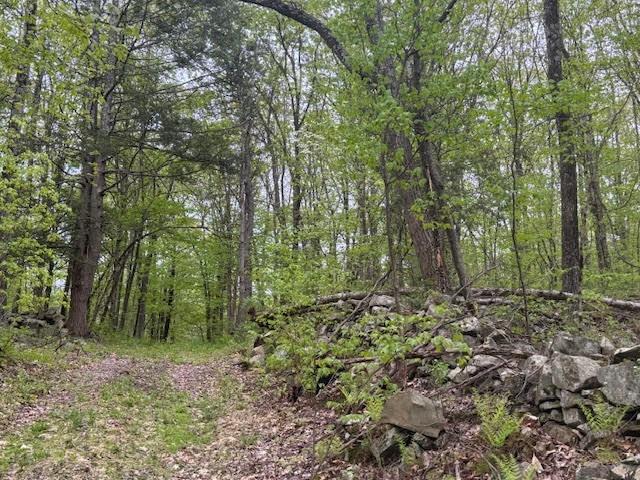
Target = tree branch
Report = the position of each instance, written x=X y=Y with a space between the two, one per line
x=296 y=13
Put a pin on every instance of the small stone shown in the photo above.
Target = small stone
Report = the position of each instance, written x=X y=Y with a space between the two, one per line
x=381 y=301
x=545 y=389
x=469 y=325
x=569 y=399
x=572 y=417
x=631 y=353
x=555 y=416
x=623 y=472
x=549 y=405
x=484 y=361
x=532 y=367
x=592 y=471
x=453 y=375
x=583 y=428
x=377 y=310
x=632 y=460
x=607 y=348
x=423 y=441
x=386 y=444
x=499 y=337
x=560 y=433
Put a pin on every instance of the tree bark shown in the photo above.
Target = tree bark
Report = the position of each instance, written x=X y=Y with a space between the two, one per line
x=571 y=256
x=245 y=279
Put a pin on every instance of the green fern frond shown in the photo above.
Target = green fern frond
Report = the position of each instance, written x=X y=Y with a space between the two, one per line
x=497 y=422
x=507 y=468
x=603 y=417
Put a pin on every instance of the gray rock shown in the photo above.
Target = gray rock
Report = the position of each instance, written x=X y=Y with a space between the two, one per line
x=607 y=348
x=381 y=301
x=532 y=367
x=632 y=460
x=469 y=325
x=258 y=357
x=499 y=337
x=415 y=412
x=623 y=472
x=631 y=353
x=386 y=444
x=454 y=374
x=545 y=390
x=574 y=373
x=561 y=433
x=484 y=361
x=621 y=383
x=572 y=417
x=592 y=471
x=575 y=345
x=555 y=416
x=549 y=405
x=376 y=310
x=423 y=441
x=569 y=399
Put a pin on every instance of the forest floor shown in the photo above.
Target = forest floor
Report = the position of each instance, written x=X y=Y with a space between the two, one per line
x=153 y=412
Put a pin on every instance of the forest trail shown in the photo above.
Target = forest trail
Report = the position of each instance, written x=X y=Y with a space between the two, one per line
x=114 y=416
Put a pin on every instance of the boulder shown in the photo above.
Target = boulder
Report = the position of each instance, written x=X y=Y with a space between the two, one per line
x=631 y=353
x=575 y=345
x=574 y=373
x=414 y=412
x=561 y=433
x=593 y=471
x=621 y=383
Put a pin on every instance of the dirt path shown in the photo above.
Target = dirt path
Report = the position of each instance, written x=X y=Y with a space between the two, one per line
x=116 y=417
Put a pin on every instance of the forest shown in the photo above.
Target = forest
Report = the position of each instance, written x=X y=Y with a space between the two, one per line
x=337 y=217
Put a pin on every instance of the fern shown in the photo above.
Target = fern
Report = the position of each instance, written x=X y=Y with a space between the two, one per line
x=506 y=468
x=497 y=423
x=604 y=418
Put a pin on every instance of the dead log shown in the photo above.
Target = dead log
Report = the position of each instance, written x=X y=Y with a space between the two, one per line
x=556 y=295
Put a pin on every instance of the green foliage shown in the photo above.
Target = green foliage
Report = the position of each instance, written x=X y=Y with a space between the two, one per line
x=507 y=468
x=497 y=422
x=439 y=371
x=604 y=418
x=328 y=448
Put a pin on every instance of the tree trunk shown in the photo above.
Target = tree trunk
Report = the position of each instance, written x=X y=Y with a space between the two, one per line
x=571 y=256
x=596 y=205
x=141 y=314
x=88 y=233
x=245 y=282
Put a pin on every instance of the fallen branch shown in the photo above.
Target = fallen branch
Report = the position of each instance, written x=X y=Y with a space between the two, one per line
x=557 y=295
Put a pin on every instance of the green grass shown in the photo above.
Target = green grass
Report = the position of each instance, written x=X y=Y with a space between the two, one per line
x=124 y=428
x=177 y=352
